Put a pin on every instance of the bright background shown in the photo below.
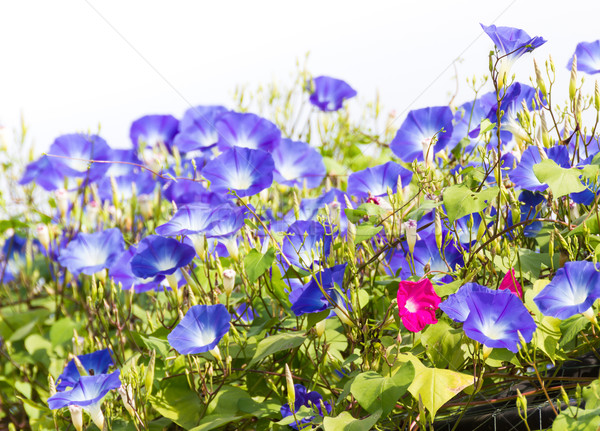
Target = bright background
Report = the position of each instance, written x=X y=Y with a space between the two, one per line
x=72 y=65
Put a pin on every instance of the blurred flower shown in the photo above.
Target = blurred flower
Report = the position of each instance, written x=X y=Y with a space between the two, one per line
x=160 y=256
x=375 y=181
x=417 y=302
x=329 y=93
x=588 y=57
x=245 y=130
x=152 y=130
x=297 y=163
x=573 y=290
x=200 y=330
x=197 y=129
x=510 y=282
x=89 y=253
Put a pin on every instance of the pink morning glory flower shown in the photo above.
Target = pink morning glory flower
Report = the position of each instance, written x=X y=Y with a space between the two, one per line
x=417 y=302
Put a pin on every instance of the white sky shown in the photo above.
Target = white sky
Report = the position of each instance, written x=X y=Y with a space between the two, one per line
x=66 y=69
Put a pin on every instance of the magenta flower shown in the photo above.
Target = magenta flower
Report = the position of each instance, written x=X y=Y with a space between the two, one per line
x=510 y=282
x=417 y=302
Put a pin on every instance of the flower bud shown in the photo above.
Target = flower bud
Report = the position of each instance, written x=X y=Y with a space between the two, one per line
x=228 y=281
x=51 y=385
x=596 y=97
x=539 y=79
x=127 y=397
x=410 y=231
x=428 y=153
x=291 y=391
x=43 y=235
x=573 y=80
x=62 y=201
x=76 y=417
x=438 y=230
x=320 y=327
x=351 y=234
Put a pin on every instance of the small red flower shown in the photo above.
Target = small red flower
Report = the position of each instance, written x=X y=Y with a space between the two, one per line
x=417 y=302
x=510 y=282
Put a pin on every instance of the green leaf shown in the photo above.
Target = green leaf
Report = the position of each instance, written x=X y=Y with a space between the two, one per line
x=345 y=422
x=276 y=343
x=574 y=419
x=376 y=393
x=256 y=263
x=442 y=344
x=572 y=327
x=560 y=180
x=314 y=318
x=436 y=386
x=366 y=231
x=176 y=401
x=62 y=331
x=460 y=200
x=13 y=223
x=486 y=126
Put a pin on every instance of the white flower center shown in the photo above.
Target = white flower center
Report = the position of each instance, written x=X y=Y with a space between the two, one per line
x=411 y=306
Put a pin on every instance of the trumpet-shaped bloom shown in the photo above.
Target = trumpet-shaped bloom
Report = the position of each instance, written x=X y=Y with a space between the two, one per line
x=44 y=173
x=160 y=256
x=296 y=163
x=305 y=242
x=87 y=392
x=523 y=175
x=573 y=290
x=456 y=307
x=75 y=151
x=330 y=93
x=120 y=272
x=310 y=298
x=189 y=219
x=588 y=57
x=197 y=128
x=95 y=363
x=496 y=317
x=246 y=131
x=89 y=253
x=244 y=170
x=376 y=181
x=417 y=302
x=419 y=130
x=201 y=329
x=511 y=43
x=305 y=398
x=511 y=283
x=154 y=129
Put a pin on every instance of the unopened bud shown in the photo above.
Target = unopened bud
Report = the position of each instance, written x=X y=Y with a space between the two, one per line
x=62 y=201
x=127 y=397
x=539 y=79
x=43 y=235
x=410 y=232
x=573 y=80
x=438 y=230
x=228 y=281
x=596 y=97
x=320 y=327
x=76 y=417
x=351 y=234
x=51 y=385
x=348 y=202
x=291 y=391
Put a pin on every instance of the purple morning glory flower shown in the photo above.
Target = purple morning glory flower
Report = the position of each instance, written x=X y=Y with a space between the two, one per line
x=330 y=93
x=496 y=317
x=87 y=392
x=144 y=185
x=201 y=329
x=89 y=253
x=418 y=131
x=197 y=128
x=523 y=175
x=45 y=173
x=308 y=399
x=310 y=298
x=511 y=43
x=95 y=363
x=375 y=181
x=456 y=307
x=305 y=242
x=468 y=117
x=126 y=161
x=588 y=57
x=573 y=290
x=120 y=272
x=230 y=219
x=75 y=150
x=189 y=219
x=246 y=131
x=157 y=255
x=246 y=313
x=154 y=129
x=296 y=163
x=244 y=170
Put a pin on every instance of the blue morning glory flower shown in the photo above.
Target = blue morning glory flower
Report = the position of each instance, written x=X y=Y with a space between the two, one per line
x=120 y=272
x=573 y=290
x=310 y=298
x=143 y=181
x=418 y=131
x=246 y=313
x=246 y=131
x=154 y=129
x=157 y=255
x=75 y=150
x=95 y=363
x=523 y=175
x=189 y=219
x=468 y=117
x=197 y=130
x=511 y=43
x=244 y=170
x=89 y=253
x=308 y=399
x=588 y=57
x=297 y=163
x=330 y=93
x=230 y=219
x=376 y=181
x=496 y=317
x=305 y=242
x=87 y=392
x=200 y=330
x=44 y=173
x=456 y=307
